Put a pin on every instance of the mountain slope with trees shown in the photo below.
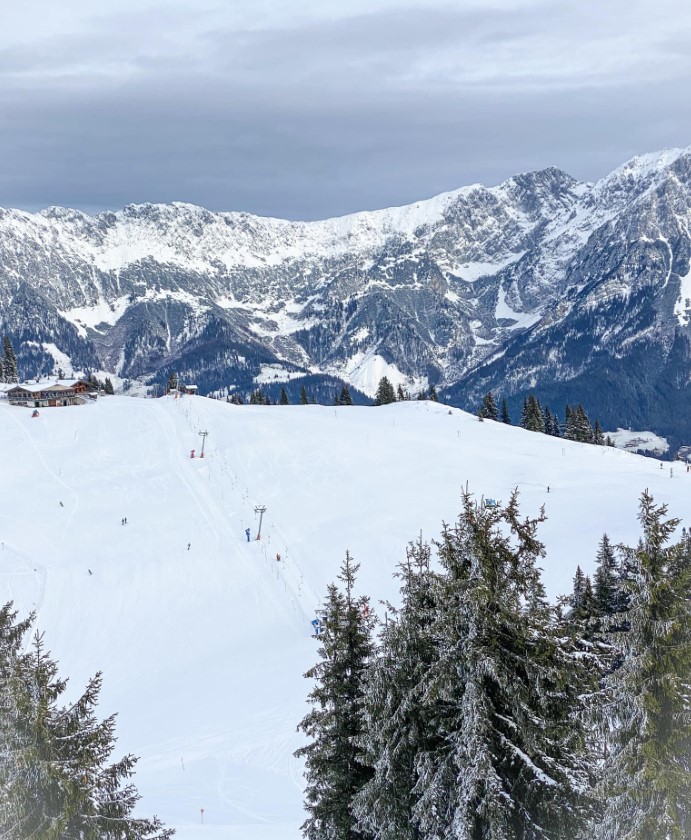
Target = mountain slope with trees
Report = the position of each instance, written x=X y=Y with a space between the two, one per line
x=576 y=292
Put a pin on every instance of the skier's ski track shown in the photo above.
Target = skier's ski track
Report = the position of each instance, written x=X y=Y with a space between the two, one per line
x=292 y=588
x=58 y=478
x=25 y=568
x=204 y=503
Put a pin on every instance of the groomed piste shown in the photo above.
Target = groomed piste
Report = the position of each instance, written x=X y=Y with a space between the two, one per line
x=202 y=635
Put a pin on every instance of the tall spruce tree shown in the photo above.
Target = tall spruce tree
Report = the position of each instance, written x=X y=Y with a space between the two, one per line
x=505 y=412
x=584 y=429
x=335 y=770
x=577 y=426
x=598 y=435
x=303 y=396
x=532 y=417
x=583 y=607
x=345 y=398
x=55 y=782
x=646 y=784
x=11 y=372
x=172 y=382
x=489 y=410
x=607 y=591
x=385 y=392
x=551 y=423
x=283 y=399
x=2 y=370
x=397 y=728
x=502 y=693
x=433 y=396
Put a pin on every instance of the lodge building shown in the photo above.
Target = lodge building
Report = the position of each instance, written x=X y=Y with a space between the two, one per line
x=54 y=392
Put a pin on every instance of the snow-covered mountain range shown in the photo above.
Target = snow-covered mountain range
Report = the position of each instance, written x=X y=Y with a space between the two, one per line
x=578 y=292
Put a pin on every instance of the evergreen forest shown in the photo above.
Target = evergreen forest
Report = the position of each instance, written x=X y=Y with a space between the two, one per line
x=477 y=710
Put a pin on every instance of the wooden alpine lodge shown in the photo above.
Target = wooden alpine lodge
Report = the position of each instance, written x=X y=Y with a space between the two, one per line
x=56 y=392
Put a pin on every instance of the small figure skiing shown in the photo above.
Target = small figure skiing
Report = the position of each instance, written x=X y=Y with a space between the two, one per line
x=247 y=534
x=188 y=546
x=278 y=557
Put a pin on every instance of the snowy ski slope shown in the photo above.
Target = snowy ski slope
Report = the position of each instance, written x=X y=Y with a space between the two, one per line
x=203 y=649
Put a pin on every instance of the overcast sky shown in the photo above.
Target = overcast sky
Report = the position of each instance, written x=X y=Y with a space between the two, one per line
x=312 y=108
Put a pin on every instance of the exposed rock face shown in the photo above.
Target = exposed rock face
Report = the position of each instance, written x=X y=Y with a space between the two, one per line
x=581 y=292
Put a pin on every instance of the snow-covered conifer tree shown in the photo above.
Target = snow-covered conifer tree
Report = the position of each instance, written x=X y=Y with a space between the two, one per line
x=55 y=782
x=489 y=410
x=385 y=392
x=646 y=783
x=335 y=770
x=532 y=417
x=598 y=434
x=606 y=580
x=11 y=371
x=397 y=726
x=508 y=763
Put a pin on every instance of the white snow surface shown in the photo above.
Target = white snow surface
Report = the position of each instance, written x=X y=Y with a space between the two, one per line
x=682 y=308
x=365 y=370
x=503 y=310
x=203 y=650
x=639 y=441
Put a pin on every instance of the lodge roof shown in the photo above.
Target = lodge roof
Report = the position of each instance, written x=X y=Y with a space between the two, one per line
x=48 y=385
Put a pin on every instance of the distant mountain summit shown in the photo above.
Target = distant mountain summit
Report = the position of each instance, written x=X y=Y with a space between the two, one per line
x=578 y=292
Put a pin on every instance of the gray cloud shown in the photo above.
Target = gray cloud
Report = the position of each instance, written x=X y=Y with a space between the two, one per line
x=329 y=116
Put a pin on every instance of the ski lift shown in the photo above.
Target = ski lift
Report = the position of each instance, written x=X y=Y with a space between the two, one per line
x=490 y=503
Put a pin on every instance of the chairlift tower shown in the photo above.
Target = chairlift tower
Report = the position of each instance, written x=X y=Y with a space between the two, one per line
x=261 y=510
x=203 y=437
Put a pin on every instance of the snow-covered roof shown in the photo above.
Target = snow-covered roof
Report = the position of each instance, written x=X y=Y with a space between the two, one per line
x=47 y=385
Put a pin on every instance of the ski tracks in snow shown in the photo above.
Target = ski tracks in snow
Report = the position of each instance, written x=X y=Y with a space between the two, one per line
x=288 y=579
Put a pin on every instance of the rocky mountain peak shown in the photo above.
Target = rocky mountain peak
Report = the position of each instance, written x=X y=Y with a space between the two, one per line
x=541 y=279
